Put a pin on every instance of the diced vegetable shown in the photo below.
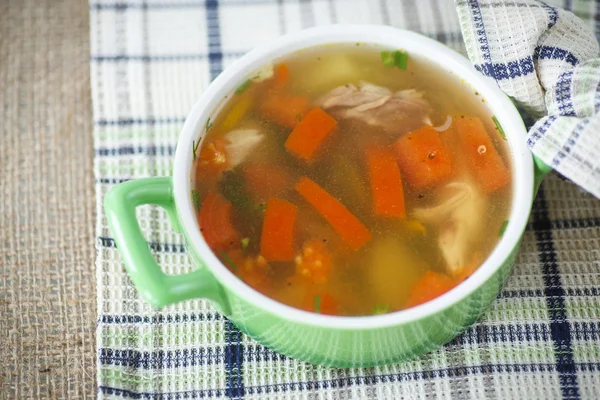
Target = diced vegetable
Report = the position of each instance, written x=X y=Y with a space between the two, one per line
x=282 y=74
x=315 y=262
x=310 y=133
x=266 y=180
x=386 y=183
x=236 y=113
x=391 y=267
x=215 y=221
x=346 y=179
x=381 y=309
x=481 y=155
x=431 y=285
x=213 y=158
x=415 y=226
x=283 y=109
x=424 y=160
x=245 y=242
x=277 y=238
x=343 y=221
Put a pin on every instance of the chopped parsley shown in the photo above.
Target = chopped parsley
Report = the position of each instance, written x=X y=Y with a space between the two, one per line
x=381 y=309
x=503 y=228
x=196 y=200
x=243 y=87
x=195 y=146
x=317 y=304
x=499 y=127
x=245 y=242
x=397 y=58
x=229 y=262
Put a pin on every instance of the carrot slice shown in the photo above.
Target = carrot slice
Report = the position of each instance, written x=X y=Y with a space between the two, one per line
x=354 y=233
x=480 y=154
x=431 y=285
x=282 y=74
x=265 y=180
x=423 y=158
x=277 y=238
x=386 y=183
x=310 y=133
x=283 y=110
x=215 y=221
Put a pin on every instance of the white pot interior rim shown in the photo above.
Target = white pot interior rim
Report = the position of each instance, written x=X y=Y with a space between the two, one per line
x=386 y=37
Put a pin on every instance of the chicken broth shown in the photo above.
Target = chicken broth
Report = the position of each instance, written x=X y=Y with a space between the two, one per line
x=352 y=180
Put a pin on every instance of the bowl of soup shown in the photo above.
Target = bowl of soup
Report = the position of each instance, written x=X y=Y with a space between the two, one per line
x=350 y=195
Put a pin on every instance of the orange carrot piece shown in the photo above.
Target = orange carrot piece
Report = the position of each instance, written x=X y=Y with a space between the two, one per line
x=315 y=262
x=480 y=154
x=310 y=133
x=212 y=158
x=215 y=221
x=282 y=74
x=386 y=183
x=423 y=158
x=283 y=110
x=277 y=238
x=266 y=180
x=431 y=285
x=247 y=268
x=354 y=233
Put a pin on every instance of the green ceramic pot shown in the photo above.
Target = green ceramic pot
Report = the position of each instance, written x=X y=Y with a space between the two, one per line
x=330 y=340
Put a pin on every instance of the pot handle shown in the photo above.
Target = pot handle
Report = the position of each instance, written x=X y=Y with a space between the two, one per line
x=156 y=287
x=540 y=170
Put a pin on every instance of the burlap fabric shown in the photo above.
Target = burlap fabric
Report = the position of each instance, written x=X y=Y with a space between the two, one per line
x=47 y=285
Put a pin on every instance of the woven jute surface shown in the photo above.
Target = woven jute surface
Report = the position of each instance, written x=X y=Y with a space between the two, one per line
x=47 y=285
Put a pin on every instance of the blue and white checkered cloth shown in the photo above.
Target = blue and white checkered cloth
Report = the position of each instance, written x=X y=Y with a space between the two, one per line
x=151 y=59
x=548 y=61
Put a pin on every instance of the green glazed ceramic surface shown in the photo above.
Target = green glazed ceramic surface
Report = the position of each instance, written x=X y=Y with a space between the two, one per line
x=335 y=341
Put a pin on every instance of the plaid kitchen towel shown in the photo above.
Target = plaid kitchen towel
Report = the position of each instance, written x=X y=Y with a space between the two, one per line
x=548 y=61
x=151 y=59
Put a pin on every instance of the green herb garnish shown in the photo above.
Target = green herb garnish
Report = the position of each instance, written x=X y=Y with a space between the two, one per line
x=229 y=261
x=243 y=87
x=196 y=200
x=381 y=309
x=195 y=146
x=401 y=59
x=317 y=304
x=503 y=228
x=245 y=242
x=397 y=58
x=388 y=58
x=499 y=127
x=208 y=125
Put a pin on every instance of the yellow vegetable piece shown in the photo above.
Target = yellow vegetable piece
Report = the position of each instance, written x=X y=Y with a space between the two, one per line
x=237 y=112
x=414 y=226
